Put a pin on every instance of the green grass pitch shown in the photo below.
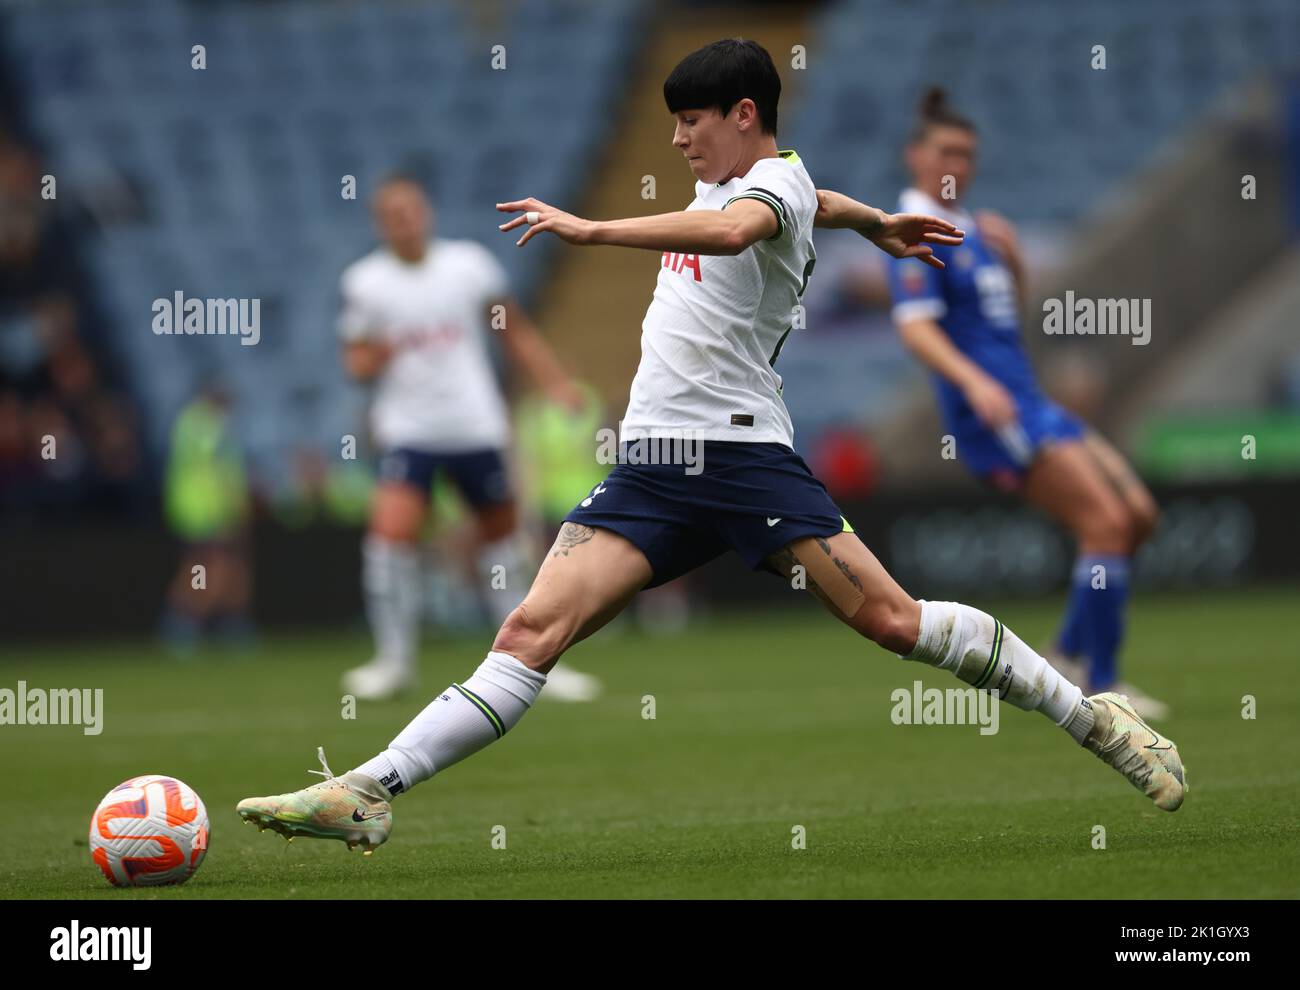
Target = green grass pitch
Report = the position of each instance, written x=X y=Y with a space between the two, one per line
x=763 y=723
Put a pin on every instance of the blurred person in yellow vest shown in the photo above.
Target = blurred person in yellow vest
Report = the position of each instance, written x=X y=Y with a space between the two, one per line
x=206 y=505
x=559 y=449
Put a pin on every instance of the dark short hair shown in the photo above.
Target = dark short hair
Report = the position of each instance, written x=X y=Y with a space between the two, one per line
x=935 y=111
x=722 y=74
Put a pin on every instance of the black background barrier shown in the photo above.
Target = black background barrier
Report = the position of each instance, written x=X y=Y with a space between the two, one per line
x=102 y=579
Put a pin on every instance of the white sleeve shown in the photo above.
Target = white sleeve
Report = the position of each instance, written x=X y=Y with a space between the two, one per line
x=493 y=282
x=356 y=321
x=781 y=189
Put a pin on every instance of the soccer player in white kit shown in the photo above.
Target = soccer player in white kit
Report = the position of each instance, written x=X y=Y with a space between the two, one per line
x=414 y=320
x=733 y=267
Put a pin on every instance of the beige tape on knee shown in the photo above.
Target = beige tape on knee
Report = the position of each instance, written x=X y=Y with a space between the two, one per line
x=822 y=571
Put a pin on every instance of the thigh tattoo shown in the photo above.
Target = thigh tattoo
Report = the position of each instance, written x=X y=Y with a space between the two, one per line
x=571 y=535
x=826 y=575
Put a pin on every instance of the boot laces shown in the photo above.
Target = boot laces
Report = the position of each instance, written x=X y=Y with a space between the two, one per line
x=327 y=773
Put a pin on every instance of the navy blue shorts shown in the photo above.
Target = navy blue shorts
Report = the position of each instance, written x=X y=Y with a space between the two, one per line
x=479 y=475
x=1002 y=457
x=753 y=498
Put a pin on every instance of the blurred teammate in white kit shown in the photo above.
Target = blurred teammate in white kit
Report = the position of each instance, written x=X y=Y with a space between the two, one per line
x=415 y=318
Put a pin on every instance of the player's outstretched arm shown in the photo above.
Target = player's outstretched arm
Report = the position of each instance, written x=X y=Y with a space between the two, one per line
x=722 y=232
x=529 y=349
x=902 y=235
x=931 y=344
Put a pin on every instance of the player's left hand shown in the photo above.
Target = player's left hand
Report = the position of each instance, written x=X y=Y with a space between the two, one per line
x=563 y=225
x=909 y=235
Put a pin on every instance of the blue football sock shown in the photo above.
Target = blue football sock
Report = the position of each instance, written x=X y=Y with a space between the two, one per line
x=1072 y=637
x=1101 y=586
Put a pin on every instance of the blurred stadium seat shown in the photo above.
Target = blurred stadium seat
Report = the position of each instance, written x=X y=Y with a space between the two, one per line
x=238 y=167
x=1003 y=60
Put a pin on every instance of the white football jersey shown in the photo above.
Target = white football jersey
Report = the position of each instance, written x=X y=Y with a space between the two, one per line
x=716 y=324
x=439 y=391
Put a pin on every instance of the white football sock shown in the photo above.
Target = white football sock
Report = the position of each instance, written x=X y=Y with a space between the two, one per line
x=986 y=654
x=460 y=721
x=390 y=577
x=503 y=567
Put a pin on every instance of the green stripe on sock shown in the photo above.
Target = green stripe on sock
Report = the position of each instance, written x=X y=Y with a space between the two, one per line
x=993 y=654
x=484 y=707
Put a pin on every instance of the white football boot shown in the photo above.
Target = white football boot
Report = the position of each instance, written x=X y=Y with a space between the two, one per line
x=353 y=808
x=1141 y=702
x=378 y=680
x=1148 y=760
x=566 y=684
x=1075 y=670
